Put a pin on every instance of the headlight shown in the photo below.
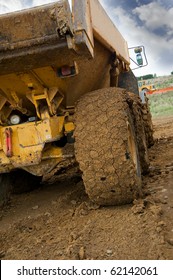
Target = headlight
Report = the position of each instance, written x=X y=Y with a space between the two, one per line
x=15 y=119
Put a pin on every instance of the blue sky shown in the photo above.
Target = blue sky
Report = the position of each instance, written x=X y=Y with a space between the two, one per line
x=141 y=22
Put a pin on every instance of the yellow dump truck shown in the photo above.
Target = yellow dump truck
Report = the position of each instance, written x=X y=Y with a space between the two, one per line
x=66 y=89
x=147 y=86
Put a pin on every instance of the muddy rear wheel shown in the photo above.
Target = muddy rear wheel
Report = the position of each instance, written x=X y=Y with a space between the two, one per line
x=106 y=147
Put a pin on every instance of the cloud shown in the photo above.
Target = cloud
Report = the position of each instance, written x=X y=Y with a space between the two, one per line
x=41 y=2
x=150 y=25
x=9 y=6
x=155 y=16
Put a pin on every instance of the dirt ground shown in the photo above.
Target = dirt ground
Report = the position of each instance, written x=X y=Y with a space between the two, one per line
x=59 y=222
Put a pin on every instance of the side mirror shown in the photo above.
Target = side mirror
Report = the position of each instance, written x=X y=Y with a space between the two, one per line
x=138 y=57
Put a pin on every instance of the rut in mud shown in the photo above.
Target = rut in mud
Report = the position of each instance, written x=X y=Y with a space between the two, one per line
x=59 y=221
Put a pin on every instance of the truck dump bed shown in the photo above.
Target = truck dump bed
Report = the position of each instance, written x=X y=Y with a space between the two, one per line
x=36 y=43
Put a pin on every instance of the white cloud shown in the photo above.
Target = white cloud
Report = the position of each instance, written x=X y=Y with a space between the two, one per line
x=158 y=48
x=10 y=5
x=154 y=15
x=41 y=2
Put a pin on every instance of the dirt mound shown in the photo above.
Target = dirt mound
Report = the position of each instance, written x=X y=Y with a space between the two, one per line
x=60 y=222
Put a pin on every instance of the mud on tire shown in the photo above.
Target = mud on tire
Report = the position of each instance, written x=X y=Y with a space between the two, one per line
x=106 y=148
x=136 y=108
x=147 y=119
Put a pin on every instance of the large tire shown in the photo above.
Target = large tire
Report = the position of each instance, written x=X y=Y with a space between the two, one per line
x=5 y=188
x=106 y=148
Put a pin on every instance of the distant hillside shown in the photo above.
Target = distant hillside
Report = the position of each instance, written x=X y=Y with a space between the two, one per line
x=160 y=82
x=164 y=81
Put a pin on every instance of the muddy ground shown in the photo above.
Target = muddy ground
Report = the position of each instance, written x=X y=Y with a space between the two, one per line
x=59 y=222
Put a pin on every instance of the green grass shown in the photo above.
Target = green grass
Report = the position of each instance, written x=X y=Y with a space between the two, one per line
x=161 y=104
x=164 y=84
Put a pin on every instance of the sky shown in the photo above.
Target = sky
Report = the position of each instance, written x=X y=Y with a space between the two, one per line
x=148 y=23
x=141 y=22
